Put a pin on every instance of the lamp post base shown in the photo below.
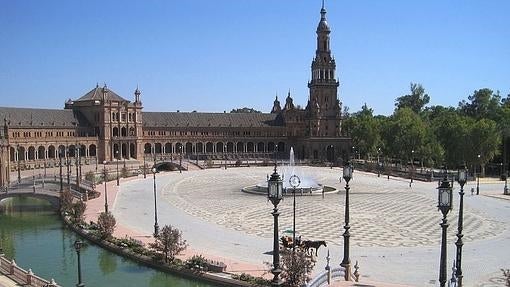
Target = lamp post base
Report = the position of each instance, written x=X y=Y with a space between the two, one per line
x=347 y=267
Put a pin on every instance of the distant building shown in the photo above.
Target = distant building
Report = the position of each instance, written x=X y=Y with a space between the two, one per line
x=101 y=125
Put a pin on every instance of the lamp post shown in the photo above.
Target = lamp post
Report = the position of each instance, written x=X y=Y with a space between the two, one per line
x=275 y=194
x=505 y=189
x=378 y=162
x=294 y=181
x=156 y=226
x=19 y=170
x=444 y=205
x=346 y=262
x=144 y=167
x=412 y=168
x=225 y=155
x=478 y=177
x=180 y=159
x=78 y=245
x=105 y=177
x=44 y=175
x=461 y=178
x=61 y=181
x=76 y=156
x=117 y=158
x=332 y=154
x=68 y=167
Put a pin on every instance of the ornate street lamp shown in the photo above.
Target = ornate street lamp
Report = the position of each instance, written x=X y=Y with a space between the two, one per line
x=346 y=262
x=117 y=158
x=180 y=159
x=144 y=167
x=76 y=156
x=61 y=181
x=444 y=204
x=19 y=170
x=461 y=178
x=505 y=189
x=412 y=167
x=156 y=226
x=378 y=162
x=68 y=167
x=478 y=177
x=105 y=177
x=275 y=194
x=294 y=181
x=225 y=155
x=78 y=245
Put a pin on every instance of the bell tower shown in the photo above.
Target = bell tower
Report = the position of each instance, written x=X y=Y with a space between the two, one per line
x=323 y=104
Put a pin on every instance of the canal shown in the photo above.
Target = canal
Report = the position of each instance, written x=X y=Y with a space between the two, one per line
x=32 y=233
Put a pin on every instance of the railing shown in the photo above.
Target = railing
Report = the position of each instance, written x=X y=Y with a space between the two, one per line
x=21 y=276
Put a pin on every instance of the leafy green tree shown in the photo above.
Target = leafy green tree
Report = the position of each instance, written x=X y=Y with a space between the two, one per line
x=452 y=131
x=405 y=132
x=416 y=101
x=78 y=212
x=484 y=103
x=106 y=224
x=67 y=201
x=484 y=139
x=169 y=242
x=364 y=130
x=296 y=268
x=245 y=110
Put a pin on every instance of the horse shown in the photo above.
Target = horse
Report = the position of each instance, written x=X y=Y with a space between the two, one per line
x=308 y=244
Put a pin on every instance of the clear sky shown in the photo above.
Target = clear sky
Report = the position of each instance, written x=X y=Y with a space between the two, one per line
x=213 y=56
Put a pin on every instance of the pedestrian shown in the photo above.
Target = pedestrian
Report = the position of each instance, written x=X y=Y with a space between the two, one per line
x=472 y=191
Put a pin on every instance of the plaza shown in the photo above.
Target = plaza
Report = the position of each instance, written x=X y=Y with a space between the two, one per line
x=395 y=233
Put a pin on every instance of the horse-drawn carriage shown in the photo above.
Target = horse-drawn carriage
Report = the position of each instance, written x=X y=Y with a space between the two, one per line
x=304 y=245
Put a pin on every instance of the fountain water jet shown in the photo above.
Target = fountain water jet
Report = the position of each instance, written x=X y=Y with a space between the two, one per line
x=307 y=186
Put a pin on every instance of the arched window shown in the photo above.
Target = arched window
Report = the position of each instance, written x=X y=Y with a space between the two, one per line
x=115 y=131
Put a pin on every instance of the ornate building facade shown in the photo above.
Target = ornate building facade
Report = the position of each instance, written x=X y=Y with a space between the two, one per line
x=101 y=125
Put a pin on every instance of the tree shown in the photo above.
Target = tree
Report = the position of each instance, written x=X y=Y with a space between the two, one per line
x=296 y=267
x=506 y=274
x=364 y=130
x=169 y=242
x=404 y=132
x=78 y=211
x=106 y=224
x=416 y=101
x=244 y=110
x=484 y=104
x=67 y=201
x=452 y=132
x=484 y=139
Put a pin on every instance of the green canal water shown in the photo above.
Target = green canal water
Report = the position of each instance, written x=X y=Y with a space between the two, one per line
x=32 y=233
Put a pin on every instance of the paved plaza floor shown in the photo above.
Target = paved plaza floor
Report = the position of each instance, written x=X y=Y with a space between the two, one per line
x=395 y=232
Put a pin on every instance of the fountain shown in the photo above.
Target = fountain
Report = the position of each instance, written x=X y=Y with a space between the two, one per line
x=307 y=184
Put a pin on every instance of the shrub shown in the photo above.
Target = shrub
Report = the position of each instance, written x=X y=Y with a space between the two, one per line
x=169 y=243
x=90 y=176
x=67 y=201
x=106 y=224
x=197 y=262
x=506 y=273
x=252 y=279
x=296 y=267
x=124 y=172
x=78 y=211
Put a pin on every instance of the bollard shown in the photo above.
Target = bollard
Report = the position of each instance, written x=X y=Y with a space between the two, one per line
x=11 y=268
x=29 y=276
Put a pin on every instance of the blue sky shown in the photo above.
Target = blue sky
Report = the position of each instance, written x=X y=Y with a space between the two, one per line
x=213 y=56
